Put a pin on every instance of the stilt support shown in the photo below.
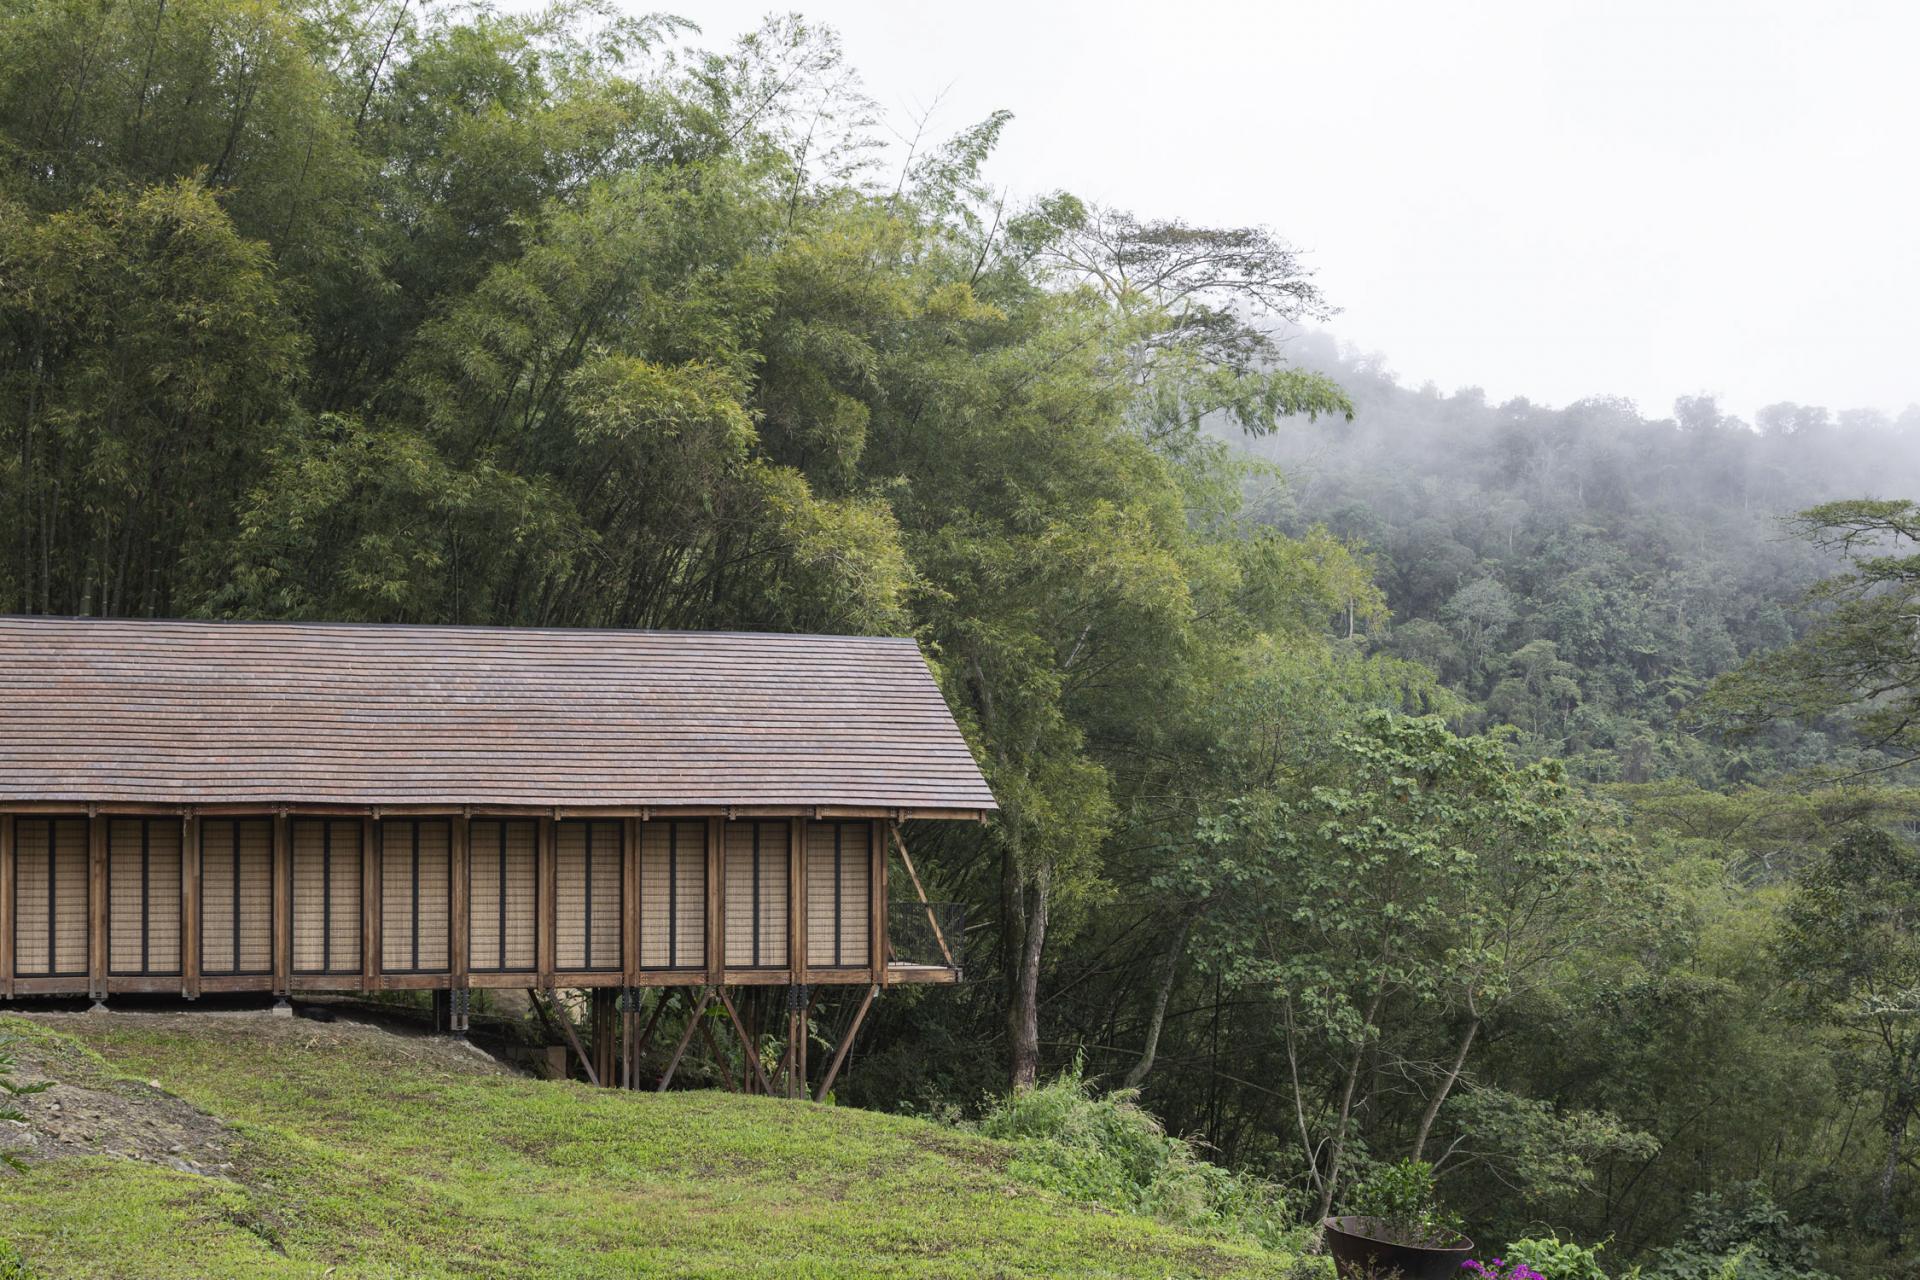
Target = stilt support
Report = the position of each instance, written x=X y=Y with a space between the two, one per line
x=565 y=1027
x=686 y=1038
x=602 y=1021
x=846 y=1043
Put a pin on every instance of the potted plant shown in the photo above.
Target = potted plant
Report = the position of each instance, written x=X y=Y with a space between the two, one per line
x=1394 y=1227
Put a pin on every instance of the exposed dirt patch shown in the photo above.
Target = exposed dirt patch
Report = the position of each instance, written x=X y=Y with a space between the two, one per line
x=132 y=1119
x=92 y=1111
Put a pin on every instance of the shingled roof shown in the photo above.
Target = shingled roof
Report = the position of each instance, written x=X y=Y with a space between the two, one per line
x=207 y=713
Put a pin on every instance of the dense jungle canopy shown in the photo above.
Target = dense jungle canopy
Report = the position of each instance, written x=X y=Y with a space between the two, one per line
x=1384 y=773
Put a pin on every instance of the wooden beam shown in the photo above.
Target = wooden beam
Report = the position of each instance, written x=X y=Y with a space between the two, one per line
x=630 y=899
x=797 y=898
x=906 y=860
x=877 y=901
x=96 y=906
x=627 y=1026
x=716 y=903
x=7 y=822
x=686 y=1038
x=746 y=1044
x=459 y=909
x=282 y=904
x=370 y=904
x=190 y=906
x=546 y=889
x=846 y=1043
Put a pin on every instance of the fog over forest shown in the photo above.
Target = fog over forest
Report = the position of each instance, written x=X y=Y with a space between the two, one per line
x=1581 y=572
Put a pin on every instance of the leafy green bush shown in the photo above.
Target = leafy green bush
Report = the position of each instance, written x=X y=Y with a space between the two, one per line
x=1106 y=1149
x=1403 y=1197
x=1557 y=1259
x=1741 y=1234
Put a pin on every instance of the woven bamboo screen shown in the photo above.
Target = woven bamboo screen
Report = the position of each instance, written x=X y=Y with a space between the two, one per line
x=838 y=857
x=236 y=895
x=416 y=893
x=50 y=897
x=756 y=898
x=326 y=895
x=673 y=894
x=587 y=895
x=502 y=896
x=143 y=896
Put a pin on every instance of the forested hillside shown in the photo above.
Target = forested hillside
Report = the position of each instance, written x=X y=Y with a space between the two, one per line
x=1368 y=800
x=1581 y=574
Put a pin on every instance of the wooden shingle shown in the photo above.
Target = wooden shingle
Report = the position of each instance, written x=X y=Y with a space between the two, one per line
x=208 y=713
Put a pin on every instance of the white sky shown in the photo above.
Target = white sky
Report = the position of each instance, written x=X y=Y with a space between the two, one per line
x=1541 y=197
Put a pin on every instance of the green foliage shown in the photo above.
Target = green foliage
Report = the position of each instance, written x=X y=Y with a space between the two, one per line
x=1404 y=1201
x=1557 y=1259
x=1106 y=1150
x=1850 y=945
x=1857 y=660
x=1740 y=1234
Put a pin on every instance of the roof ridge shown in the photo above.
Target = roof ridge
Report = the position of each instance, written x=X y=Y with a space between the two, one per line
x=485 y=628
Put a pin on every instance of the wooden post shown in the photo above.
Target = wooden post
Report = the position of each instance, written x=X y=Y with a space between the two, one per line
x=370 y=905
x=846 y=1043
x=600 y=1024
x=806 y=1024
x=190 y=906
x=6 y=904
x=877 y=899
x=797 y=899
x=716 y=903
x=282 y=905
x=459 y=913
x=630 y=900
x=545 y=891
x=96 y=905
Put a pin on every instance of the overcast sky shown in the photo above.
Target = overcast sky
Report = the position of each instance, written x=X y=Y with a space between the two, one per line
x=1541 y=198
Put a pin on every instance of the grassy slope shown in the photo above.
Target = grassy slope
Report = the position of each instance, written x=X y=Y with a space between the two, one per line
x=357 y=1158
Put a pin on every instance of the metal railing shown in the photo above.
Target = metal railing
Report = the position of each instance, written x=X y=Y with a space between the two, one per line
x=926 y=934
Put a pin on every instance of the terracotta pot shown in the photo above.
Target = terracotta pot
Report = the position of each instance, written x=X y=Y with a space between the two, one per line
x=1360 y=1253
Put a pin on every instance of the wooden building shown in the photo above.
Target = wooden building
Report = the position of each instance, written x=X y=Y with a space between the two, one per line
x=216 y=807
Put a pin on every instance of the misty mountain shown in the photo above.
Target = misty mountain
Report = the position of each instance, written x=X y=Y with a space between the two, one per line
x=1580 y=573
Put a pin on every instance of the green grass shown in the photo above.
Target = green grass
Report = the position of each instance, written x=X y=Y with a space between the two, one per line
x=356 y=1159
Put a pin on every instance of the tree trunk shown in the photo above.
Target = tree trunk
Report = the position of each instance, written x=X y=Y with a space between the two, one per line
x=1446 y=1086
x=1169 y=968
x=1023 y=1009
x=1889 y=1179
x=1339 y=1145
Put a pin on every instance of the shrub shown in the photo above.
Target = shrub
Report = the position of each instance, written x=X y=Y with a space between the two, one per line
x=1558 y=1259
x=1108 y=1150
x=1740 y=1234
x=1403 y=1198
